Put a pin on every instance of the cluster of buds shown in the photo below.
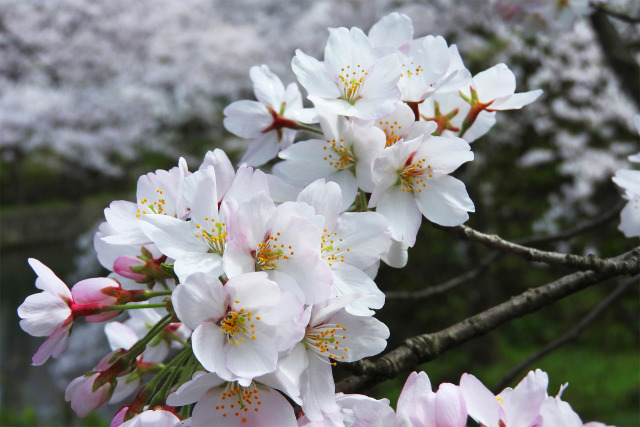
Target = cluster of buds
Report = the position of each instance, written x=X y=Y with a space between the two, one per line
x=244 y=288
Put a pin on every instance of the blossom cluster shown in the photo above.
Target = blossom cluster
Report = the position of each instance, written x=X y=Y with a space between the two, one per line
x=245 y=288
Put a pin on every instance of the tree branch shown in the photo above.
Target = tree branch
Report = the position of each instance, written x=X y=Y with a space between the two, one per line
x=614 y=14
x=446 y=286
x=584 y=263
x=426 y=347
x=564 y=235
x=567 y=336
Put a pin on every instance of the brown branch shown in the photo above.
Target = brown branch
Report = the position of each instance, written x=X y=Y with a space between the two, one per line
x=446 y=286
x=584 y=263
x=423 y=348
x=617 y=54
x=567 y=336
x=564 y=235
x=617 y=15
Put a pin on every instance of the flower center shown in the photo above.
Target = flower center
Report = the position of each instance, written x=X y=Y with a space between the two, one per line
x=350 y=81
x=325 y=340
x=411 y=70
x=157 y=207
x=413 y=174
x=271 y=252
x=331 y=249
x=390 y=131
x=238 y=325
x=215 y=236
x=239 y=401
x=338 y=156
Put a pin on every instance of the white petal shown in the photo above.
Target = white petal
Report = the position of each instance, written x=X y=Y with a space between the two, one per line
x=444 y=201
x=47 y=280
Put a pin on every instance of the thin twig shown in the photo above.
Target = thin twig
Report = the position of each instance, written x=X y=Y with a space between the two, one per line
x=423 y=348
x=446 y=286
x=567 y=336
x=584 y=263
x=564 y=235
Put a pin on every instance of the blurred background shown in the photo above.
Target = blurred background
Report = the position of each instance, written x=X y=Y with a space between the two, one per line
x=95 y=93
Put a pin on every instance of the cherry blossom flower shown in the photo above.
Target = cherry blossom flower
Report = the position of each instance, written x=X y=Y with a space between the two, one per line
x=157 y=194
x=418 y=405
x=352 y=80
x=412 y=180
x=223 y=402
x=629 y=180
x=518 y=407
x=233 y=325
x=333 y=334
x=354 y=410
x=344 y=155
x=283 y=241
x=352 y=244
x=51 y=312
x=271 y=121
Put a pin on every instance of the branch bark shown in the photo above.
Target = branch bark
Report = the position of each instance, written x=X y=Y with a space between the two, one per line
x=423 y=348
x=584 y=263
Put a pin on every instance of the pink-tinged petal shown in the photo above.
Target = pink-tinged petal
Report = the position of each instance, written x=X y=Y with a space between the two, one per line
x=350 y=280
x=482 y=405
x=199 y=299
x=252 y=290
x=200 y=193
x=82 y=397
x=366 y=236
x=42 y=313
x=208 y=342
x=48 y=281
x=347 y=47
x=629 y=180
x=89 y=291
x=555 y=412
x=348 y=186
x=252 y=358
x=237 y=257
x=317 y=388
x=125 y=386
x=155 y=418
x=262 y=149
x=120 y=335
x=399 y=207
x=450 y=408
x=522 y=405
x=313 y=76
x=484 y=122
x=194 y=389
x=224 y=170
x=397 y=255
x=208 y=263
x=274 y=410
x=365 y=336
x=288 y=320
x=53 y=346
x=444 y=155
x=444 y=201
x=247 y=119
x=248 y=183
x=174 y=237
x=496 y=82
x=267 y=86
x=417 y=384
x=286 y=377
x=304 y=162
x=325 y=197
x=394 y=30
x=516 y=101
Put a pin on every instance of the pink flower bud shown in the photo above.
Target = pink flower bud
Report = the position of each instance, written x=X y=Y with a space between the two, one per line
x=91 y=293
x=82 y=396
x=124 y=265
